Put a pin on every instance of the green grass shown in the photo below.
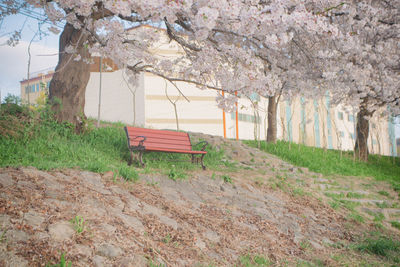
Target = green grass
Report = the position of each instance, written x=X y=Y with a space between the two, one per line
x=395 y=224
x=384 y=193
x=381 y=246
x=253 y=261
x=329 y=162
x=41 y=142
x=383 y=205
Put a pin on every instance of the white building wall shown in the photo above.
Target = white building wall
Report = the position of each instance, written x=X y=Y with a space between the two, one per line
x=116 y=98
x=201 y=114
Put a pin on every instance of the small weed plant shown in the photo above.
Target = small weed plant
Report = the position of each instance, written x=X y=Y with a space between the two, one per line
x=254 y=261
x=62 y=263
x=78 y=223
x=175 y=174
x=227 y=179
x=155 y=264
x=167 y=239
x=3 y=235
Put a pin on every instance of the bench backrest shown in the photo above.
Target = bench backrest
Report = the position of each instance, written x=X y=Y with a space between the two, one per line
x=158 y=139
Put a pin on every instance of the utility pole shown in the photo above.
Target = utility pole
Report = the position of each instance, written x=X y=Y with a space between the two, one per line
x=98 y=111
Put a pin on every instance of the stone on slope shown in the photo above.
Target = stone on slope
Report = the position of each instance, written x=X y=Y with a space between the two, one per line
x=108 y=250
x=61 y=231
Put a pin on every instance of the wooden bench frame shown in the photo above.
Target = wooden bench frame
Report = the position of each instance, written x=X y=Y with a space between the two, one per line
x=137 y=143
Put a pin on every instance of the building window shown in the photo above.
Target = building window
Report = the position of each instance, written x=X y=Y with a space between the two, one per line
x=374 y=141
x=42 y=86
x=373 y=125
x=351 y=135
x=37 y=87
x=350 y=118
x=255 y=97
x=341 y=134
x=245 y=117
x=340 y=115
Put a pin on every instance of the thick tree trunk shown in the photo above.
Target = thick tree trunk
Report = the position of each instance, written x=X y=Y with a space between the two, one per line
x=67 y=88
x=362 y=132
x=272 y=124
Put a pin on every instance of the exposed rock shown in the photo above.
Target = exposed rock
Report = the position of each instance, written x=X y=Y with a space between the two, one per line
x=200 y=244
x=93 y=181
x=82 y=250
x=16 y=236
x=108 y=250
x=34 y=219
x=212 y=236
x=35 y=173
x=134 y=261
x=4 y=221
x=61 y=231
x=41 y=235
x=12 y=260
x=108 y=229
x=99 y=261
x=168 y=221
x=132 y=222
x=6 y=180
x=158 y=213
x=316 y=245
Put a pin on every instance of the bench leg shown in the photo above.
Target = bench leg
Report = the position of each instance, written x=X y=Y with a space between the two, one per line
x=140 y=156
x=201 y=161
x=131 y=159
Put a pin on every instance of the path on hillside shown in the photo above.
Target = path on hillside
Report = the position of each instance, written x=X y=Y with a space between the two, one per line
x=201 y=220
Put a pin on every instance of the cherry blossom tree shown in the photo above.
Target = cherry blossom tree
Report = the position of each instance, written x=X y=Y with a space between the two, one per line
x=222 y=41
x=364 y=69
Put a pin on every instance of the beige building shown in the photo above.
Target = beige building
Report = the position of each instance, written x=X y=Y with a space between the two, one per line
x=398 y=146
x=32 y=88
x=156 y=103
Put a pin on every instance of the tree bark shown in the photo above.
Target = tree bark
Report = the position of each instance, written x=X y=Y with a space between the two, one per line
x=272 y=124
x=362 y=132
x=68 y=85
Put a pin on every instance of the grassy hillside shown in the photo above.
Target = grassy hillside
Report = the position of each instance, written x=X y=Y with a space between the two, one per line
x=33 y=138
x=330 y=162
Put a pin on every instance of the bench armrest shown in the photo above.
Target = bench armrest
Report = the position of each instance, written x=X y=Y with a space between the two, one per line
x=204 y=146
x=141 y=141
x=140 y=146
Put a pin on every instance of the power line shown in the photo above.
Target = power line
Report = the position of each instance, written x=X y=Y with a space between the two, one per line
x=35 y=15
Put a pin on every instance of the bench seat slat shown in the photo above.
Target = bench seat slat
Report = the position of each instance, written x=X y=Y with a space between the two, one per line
x=175 y=150
x=158 y=136
x=151 y=131
x=163 y=146
x=160 y=141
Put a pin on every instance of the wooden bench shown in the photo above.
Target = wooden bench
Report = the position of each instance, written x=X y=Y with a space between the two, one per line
x=141 y=140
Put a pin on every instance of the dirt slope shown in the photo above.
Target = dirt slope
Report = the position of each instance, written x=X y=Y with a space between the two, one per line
x=201 y=221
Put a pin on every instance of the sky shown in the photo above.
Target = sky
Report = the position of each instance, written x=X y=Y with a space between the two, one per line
x=14 y=60
x=44 y=57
